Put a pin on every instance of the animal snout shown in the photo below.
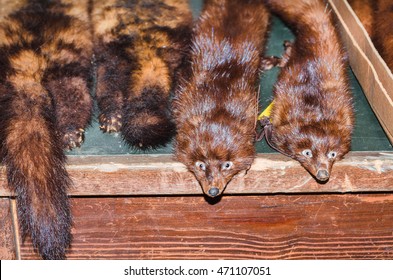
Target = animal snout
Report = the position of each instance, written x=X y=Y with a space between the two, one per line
x=213 y=191
x=322 y=175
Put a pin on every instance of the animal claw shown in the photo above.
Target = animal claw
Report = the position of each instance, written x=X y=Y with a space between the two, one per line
x=110 y=124
x=73 y=139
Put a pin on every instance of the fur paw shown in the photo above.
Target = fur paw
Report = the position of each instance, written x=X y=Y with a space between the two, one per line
x=111 y=123
x=268 y=63
x=288 y=46
x=74 y=139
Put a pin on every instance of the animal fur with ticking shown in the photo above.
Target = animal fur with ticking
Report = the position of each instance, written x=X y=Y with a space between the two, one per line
x=215 y=108
x=312 y=116
x=140 y=47
x=45 y=105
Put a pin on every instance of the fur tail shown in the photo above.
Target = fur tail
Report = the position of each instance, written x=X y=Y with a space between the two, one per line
x=148 y=122
x=137 y=69
x=33 y=155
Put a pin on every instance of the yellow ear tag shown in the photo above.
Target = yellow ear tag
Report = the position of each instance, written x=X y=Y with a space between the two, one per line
x=266 y=112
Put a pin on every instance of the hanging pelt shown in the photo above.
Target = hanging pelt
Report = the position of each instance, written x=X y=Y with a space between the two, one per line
x=45 y=105
x=312 y=115
x=216 y=106
x=140 y=49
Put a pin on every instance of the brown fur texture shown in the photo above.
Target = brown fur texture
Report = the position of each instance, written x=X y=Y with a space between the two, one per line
x=364 y=9
x=45 y=54
x=140 y=46
x=383 y=30
x=215 y=109
x=377 y=18
x=312 y=116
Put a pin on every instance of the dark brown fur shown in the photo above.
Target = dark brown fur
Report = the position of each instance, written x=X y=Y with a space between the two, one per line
x=312 y=116
x=215 y=110
x=140 y=46
x=45 y=54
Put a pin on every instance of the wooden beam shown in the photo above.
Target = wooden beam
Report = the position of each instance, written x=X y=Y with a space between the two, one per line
x=270 y=173
x=311 y=226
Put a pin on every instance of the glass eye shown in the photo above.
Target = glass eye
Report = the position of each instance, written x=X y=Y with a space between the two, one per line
x=227 y=165
x=307 y=153
x=201 y=165
x=332 y=154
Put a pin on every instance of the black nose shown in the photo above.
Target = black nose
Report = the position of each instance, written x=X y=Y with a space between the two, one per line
x=213 y=191
x=322 y=175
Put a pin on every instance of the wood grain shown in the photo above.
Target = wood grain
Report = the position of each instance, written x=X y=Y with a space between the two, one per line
x=270 y=173
x=7 y=240
x=238 y=227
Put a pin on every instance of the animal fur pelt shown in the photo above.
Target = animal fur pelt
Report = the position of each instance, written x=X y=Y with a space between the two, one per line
x=377 y=18
x=312 y=116
x=383 y=30
x=215 y=108
x=45 y=105
x=365 y=11
x=140 y=47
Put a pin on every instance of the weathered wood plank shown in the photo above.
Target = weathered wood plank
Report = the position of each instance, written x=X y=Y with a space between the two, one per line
x=238 y=227
x=270 y=173
x=7 y=240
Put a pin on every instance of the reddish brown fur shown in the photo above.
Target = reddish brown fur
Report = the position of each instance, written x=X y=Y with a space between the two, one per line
x=312 y=116
x=140 y=46
x=383 y=30
x=215 y=109
x=364 y=9
x=377 y=18
x=45 y=54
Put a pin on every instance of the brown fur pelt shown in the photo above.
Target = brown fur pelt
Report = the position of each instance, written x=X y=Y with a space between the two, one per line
x=45 y=104
x=215 y=108
x=383 y=30
x=140 y=47
x=364 y=9
x=312 y=116
x=377 y=18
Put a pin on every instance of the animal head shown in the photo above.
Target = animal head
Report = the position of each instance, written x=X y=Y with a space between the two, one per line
x=317 y=146
x=214 y=152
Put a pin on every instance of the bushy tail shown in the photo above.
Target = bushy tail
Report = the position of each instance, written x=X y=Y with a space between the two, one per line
x=148 y=121
x=34 y=159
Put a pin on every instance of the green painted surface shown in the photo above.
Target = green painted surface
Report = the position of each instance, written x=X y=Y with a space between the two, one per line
x=368 y=134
